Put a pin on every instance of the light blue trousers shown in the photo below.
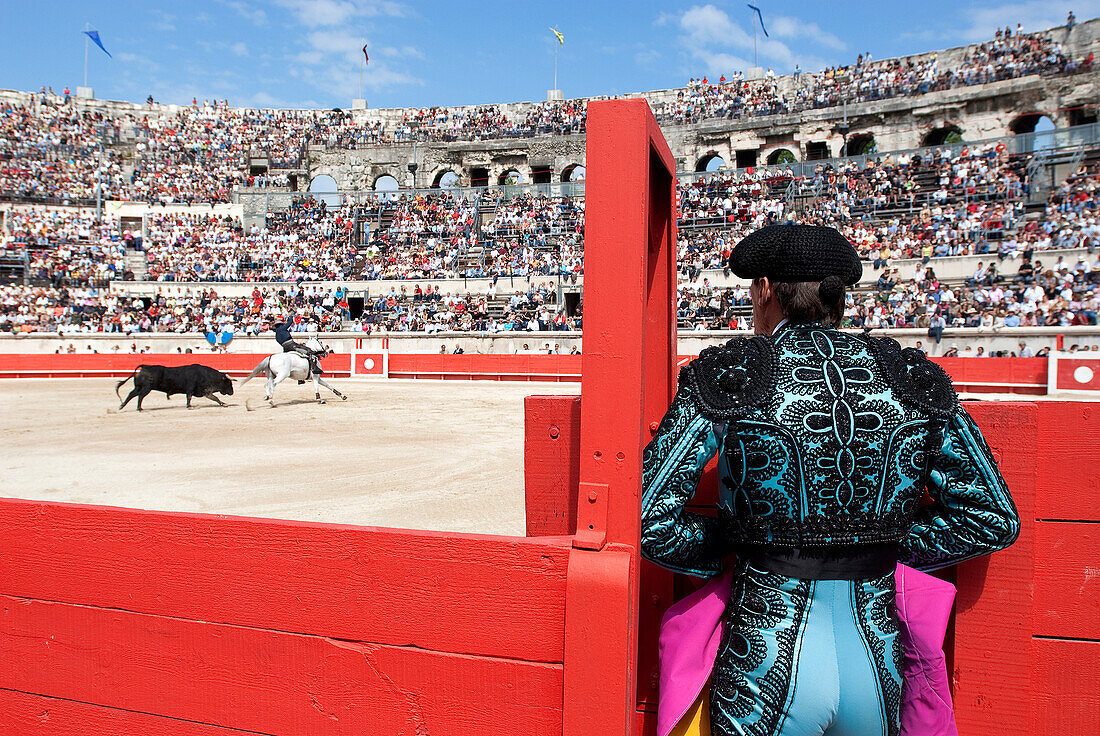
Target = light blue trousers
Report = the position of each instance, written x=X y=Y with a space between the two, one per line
x=807 y=657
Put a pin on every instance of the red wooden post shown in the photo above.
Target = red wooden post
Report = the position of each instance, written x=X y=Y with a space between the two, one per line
x=551 y=448
x=627 y=383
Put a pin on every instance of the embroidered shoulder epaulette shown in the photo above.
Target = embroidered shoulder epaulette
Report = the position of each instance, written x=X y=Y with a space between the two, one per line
x=915 y=379
x=730 y=380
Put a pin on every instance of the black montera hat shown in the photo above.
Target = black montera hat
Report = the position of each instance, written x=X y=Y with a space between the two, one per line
x=796 y=253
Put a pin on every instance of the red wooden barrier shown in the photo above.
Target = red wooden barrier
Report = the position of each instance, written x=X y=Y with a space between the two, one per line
x=971 y=375
x=1026 y=634
x=277 y=626
x=997 y=375
x=471 y=366
x=92 y=365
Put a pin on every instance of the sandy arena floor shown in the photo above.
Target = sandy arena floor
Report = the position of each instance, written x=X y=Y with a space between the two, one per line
x=413 y=454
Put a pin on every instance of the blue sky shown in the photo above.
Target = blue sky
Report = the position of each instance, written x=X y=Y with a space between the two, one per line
x=305 y=53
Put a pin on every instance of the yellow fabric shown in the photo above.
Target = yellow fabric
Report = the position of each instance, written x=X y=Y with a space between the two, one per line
x=561 y=38
x=696 y=722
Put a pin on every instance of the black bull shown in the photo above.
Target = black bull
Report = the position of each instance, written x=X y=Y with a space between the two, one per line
x=192 y=380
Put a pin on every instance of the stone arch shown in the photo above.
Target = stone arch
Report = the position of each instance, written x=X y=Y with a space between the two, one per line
x=446 y=179
x=949 y=133
x=511 y=175
x=386 y=182
x=781 y=156
x=1030 y=122
x=573 y=172
x=325 y=188
x=710 y=161
x=862 y=144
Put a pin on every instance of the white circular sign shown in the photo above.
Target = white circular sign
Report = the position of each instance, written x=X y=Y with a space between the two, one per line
x=368 y=363
x=1083 y=374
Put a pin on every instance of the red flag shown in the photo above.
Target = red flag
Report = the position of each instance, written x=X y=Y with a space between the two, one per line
x=365 y=57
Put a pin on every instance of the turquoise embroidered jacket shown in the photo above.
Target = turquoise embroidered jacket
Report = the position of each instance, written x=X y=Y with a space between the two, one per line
x=826 y=439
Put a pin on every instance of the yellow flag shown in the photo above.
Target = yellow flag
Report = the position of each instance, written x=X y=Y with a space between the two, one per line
x=561 y=38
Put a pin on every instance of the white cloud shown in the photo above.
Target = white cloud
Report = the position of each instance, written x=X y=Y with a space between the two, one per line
x=248 y=11
x=240 y=48
x=796 y=29
x=664 y=19
x=308 y=57
x=712 y=38
x=706 y=25
x=163 y=21
x=327 y=13
x=333 y=58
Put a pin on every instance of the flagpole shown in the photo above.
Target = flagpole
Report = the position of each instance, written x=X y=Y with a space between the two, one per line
x=556 y=67
x=362 y=63
x=87 y=26
x=754 y=60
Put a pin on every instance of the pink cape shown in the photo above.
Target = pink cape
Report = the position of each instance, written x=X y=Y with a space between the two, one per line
x=692 y=630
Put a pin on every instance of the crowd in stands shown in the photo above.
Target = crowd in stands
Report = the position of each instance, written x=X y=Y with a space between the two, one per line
x=941 y=203
x=1036 y=294
x=305 y=242
x=1008 y=55
x=83 y=309
x=445 y=235
x=52 y=150
x=90 y=310
x=426 y=309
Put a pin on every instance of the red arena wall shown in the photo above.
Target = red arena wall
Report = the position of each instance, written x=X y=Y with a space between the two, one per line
x=1027 y=376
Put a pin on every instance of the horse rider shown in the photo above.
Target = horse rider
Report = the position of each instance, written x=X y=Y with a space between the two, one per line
x=289 y=345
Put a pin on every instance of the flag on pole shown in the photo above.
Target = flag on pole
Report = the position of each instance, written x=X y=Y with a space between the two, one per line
x=365 y=57
x=761 y=17
x=561 y=38
x=94 y=35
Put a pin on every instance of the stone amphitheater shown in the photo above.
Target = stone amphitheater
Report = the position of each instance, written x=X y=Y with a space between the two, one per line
x=1007 y=111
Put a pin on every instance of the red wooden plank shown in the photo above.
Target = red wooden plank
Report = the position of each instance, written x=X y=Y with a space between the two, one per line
x=469 y=594
x=34 y=364
x=1065 y=688
x=995 y=370
x=267 y=681
x=1067 y=580
x=628 y=370
x=127 y=362
x=993 y=611
x=25 y=714
x=551 y=456
x=598 y=667
x=1069 y=461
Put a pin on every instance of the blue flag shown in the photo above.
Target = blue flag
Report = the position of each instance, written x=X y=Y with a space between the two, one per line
x=752 y=7
x=94 y=35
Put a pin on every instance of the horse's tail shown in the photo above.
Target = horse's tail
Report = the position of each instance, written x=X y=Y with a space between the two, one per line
x=262 y=367
x=124 y=380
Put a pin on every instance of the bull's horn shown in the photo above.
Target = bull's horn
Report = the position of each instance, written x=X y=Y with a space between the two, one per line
x=232 y=379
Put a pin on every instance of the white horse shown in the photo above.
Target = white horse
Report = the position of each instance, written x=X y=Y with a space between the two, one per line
x=281 y=366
